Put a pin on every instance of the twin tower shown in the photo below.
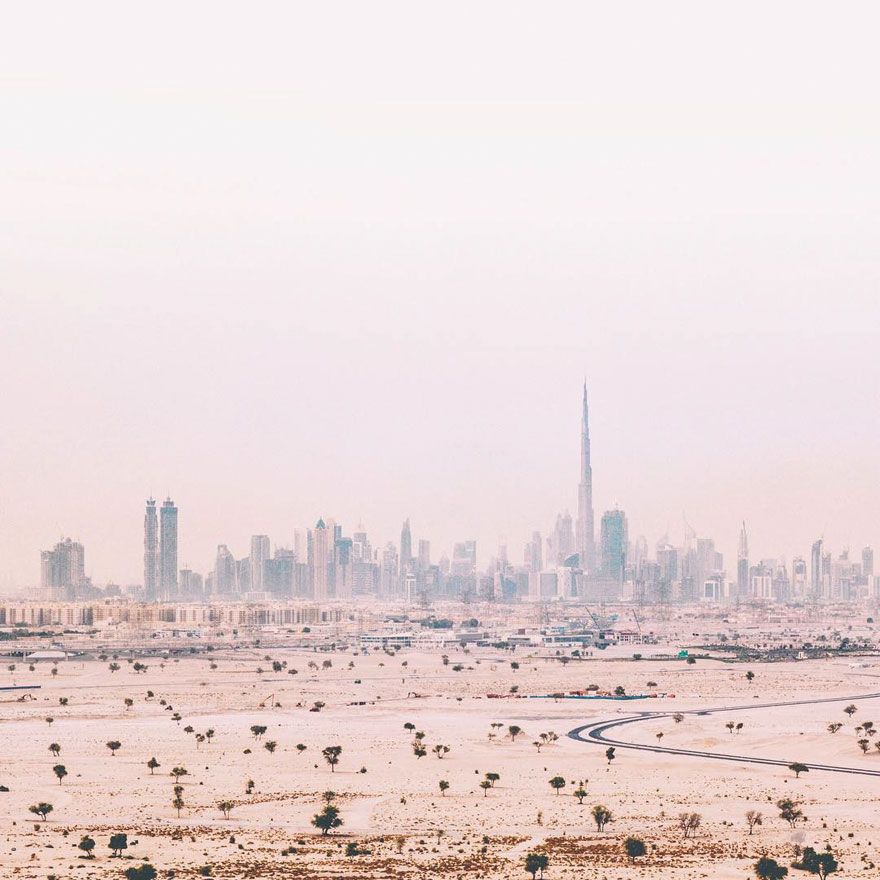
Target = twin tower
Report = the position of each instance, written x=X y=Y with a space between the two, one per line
x=160 y=551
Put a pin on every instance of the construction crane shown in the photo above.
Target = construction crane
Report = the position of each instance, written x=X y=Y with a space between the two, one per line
x=270 y=699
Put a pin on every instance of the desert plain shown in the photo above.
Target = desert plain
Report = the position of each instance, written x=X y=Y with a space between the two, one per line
x=396 y=822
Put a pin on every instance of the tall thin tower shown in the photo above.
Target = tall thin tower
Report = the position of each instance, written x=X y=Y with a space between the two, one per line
x=586 y=536
x=742 y=564
x=405 y=547
x=151 y=552
x=168 y=550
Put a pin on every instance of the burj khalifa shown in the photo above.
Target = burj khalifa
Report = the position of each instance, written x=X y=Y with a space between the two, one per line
x=585 y=533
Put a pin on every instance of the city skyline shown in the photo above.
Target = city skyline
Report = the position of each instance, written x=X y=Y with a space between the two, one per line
x=402 y=572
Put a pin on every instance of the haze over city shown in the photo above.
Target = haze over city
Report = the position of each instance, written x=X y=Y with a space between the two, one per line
x=281 y=283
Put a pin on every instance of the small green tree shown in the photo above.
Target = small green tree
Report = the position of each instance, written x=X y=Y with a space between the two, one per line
x=55 y=749
x=331 y=756
x=177 y=800
x=60 y=771
x=514 y=730
x=536 y=862
x=493 y=778
x=753 y=818
x=444 y=785
x=153 y=764
x=258 y=730
x=813 y=862
x=609 y=754
x=87 y=844
x=797 y=768
x=769 y=869
x=113 y=745
x=141 y=872
x=635 y=848
x=118 y=842
x=41 y=809
x=270 y=746
x=601 y=816
x=689 y=823
x=750 y=676
x=327 y=819
x=485 y=785
x=790 y=811
x=177 y=772
x=851 y=709
x=557 y=783
x=225 y=807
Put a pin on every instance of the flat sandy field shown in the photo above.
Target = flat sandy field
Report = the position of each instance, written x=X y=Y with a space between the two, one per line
x=389 y=799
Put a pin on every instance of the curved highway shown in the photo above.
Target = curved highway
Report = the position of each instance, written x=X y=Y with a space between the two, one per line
x=596 y=733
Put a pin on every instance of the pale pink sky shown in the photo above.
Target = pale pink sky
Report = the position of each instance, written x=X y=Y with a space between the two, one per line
x=352 y=260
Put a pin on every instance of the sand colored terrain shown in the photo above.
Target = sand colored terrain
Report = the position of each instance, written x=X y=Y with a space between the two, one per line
x=394 y=808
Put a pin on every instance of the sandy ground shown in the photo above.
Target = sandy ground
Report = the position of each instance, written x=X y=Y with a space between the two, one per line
x=389 y=799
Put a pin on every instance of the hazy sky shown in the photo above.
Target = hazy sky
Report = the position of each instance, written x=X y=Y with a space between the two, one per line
x=353 y=260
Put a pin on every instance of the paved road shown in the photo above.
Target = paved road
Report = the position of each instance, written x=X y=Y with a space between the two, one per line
x=596 y=733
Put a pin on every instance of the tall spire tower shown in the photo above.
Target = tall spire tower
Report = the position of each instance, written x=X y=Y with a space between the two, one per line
x=585 y=532
x=742 y=564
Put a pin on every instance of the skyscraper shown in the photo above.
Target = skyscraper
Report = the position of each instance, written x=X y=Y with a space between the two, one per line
x=388 y=572
x=424 y=554
x=742 y=564
x=318 y=547
x=586 y=535
x=563 y=539
x=151 y=552
x=168 y=550
x=225 y=579
x=867 y=562
x=63 y=570
x=464 y=558
x=533 y=557
x=614 y=539
x=405 y=547
x=259 y=555
x=816 y=571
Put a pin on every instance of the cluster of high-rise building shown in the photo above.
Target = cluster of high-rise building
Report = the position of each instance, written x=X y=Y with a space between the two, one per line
x=63 y=571
x=326 y=563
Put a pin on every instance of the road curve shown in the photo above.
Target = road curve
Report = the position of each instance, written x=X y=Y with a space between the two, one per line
x=595 y=733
